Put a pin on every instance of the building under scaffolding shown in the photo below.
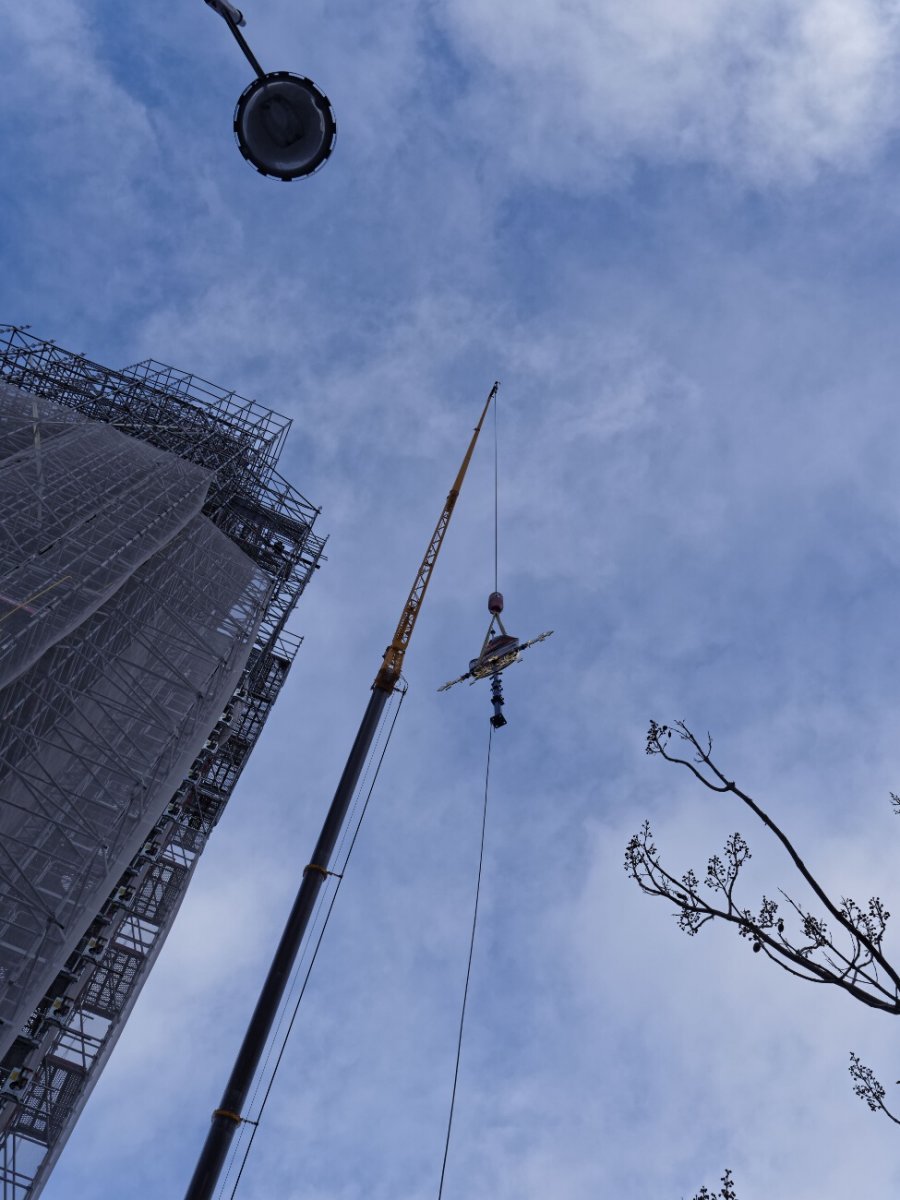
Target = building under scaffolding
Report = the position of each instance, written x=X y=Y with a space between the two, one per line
x=150 y=555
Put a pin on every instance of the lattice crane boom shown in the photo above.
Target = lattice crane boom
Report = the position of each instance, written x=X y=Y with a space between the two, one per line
x=392 y=664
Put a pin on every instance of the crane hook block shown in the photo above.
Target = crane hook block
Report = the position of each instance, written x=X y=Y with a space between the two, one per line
x=495 y=603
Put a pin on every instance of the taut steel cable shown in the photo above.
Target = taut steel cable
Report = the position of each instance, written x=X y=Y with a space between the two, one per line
x=462 y=1015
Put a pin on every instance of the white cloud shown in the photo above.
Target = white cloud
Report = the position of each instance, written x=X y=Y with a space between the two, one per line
x=767 y=90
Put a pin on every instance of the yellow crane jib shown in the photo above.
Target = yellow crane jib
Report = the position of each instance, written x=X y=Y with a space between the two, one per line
x=392 y=663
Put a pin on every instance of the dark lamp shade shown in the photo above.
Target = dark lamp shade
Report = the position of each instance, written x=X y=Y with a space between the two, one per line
x=284 y=125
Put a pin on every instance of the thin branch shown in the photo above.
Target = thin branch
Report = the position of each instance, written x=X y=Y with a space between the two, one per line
x=658 y=738
x=817 y=958
x=694 y=911
x=727 y=1192
x=813 y=956
x=868 y=1088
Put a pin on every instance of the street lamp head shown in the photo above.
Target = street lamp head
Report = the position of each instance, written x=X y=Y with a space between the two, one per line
x=284 y=125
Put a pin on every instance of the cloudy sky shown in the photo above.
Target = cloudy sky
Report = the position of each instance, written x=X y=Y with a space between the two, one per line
x=672 y=230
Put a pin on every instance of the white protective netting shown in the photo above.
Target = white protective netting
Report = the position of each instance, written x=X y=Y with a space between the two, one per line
x=81 y=506
x=133 y=667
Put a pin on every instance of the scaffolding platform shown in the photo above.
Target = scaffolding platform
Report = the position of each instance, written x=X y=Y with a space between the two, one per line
x=151 y=557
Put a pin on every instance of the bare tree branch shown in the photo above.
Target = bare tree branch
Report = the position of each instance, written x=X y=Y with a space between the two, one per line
x=727 y=1192
x=851 y=958
x=868 y=1088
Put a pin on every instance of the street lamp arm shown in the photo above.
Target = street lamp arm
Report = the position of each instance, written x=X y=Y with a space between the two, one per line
x=234 y=19
x=228 y=11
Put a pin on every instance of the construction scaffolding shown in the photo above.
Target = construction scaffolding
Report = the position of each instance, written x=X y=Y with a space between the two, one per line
x=150 y=555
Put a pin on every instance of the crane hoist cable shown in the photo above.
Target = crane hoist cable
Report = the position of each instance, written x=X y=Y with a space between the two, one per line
x=496 y=503
x=498 y=651
x=465 y=998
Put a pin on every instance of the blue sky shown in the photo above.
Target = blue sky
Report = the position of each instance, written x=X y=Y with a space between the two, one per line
x=672 y=231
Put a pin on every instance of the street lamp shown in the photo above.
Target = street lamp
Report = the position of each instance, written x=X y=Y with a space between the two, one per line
x=283 y=123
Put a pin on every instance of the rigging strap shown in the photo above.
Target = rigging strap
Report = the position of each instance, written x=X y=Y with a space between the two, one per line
x=462 y=1015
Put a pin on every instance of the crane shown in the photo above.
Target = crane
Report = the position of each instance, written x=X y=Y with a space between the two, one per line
x=227 y=1118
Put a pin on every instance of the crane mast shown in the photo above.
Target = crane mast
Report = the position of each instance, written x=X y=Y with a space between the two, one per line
x=227 y=1118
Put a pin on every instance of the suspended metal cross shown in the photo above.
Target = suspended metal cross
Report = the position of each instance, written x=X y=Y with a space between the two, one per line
x=499 y=650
